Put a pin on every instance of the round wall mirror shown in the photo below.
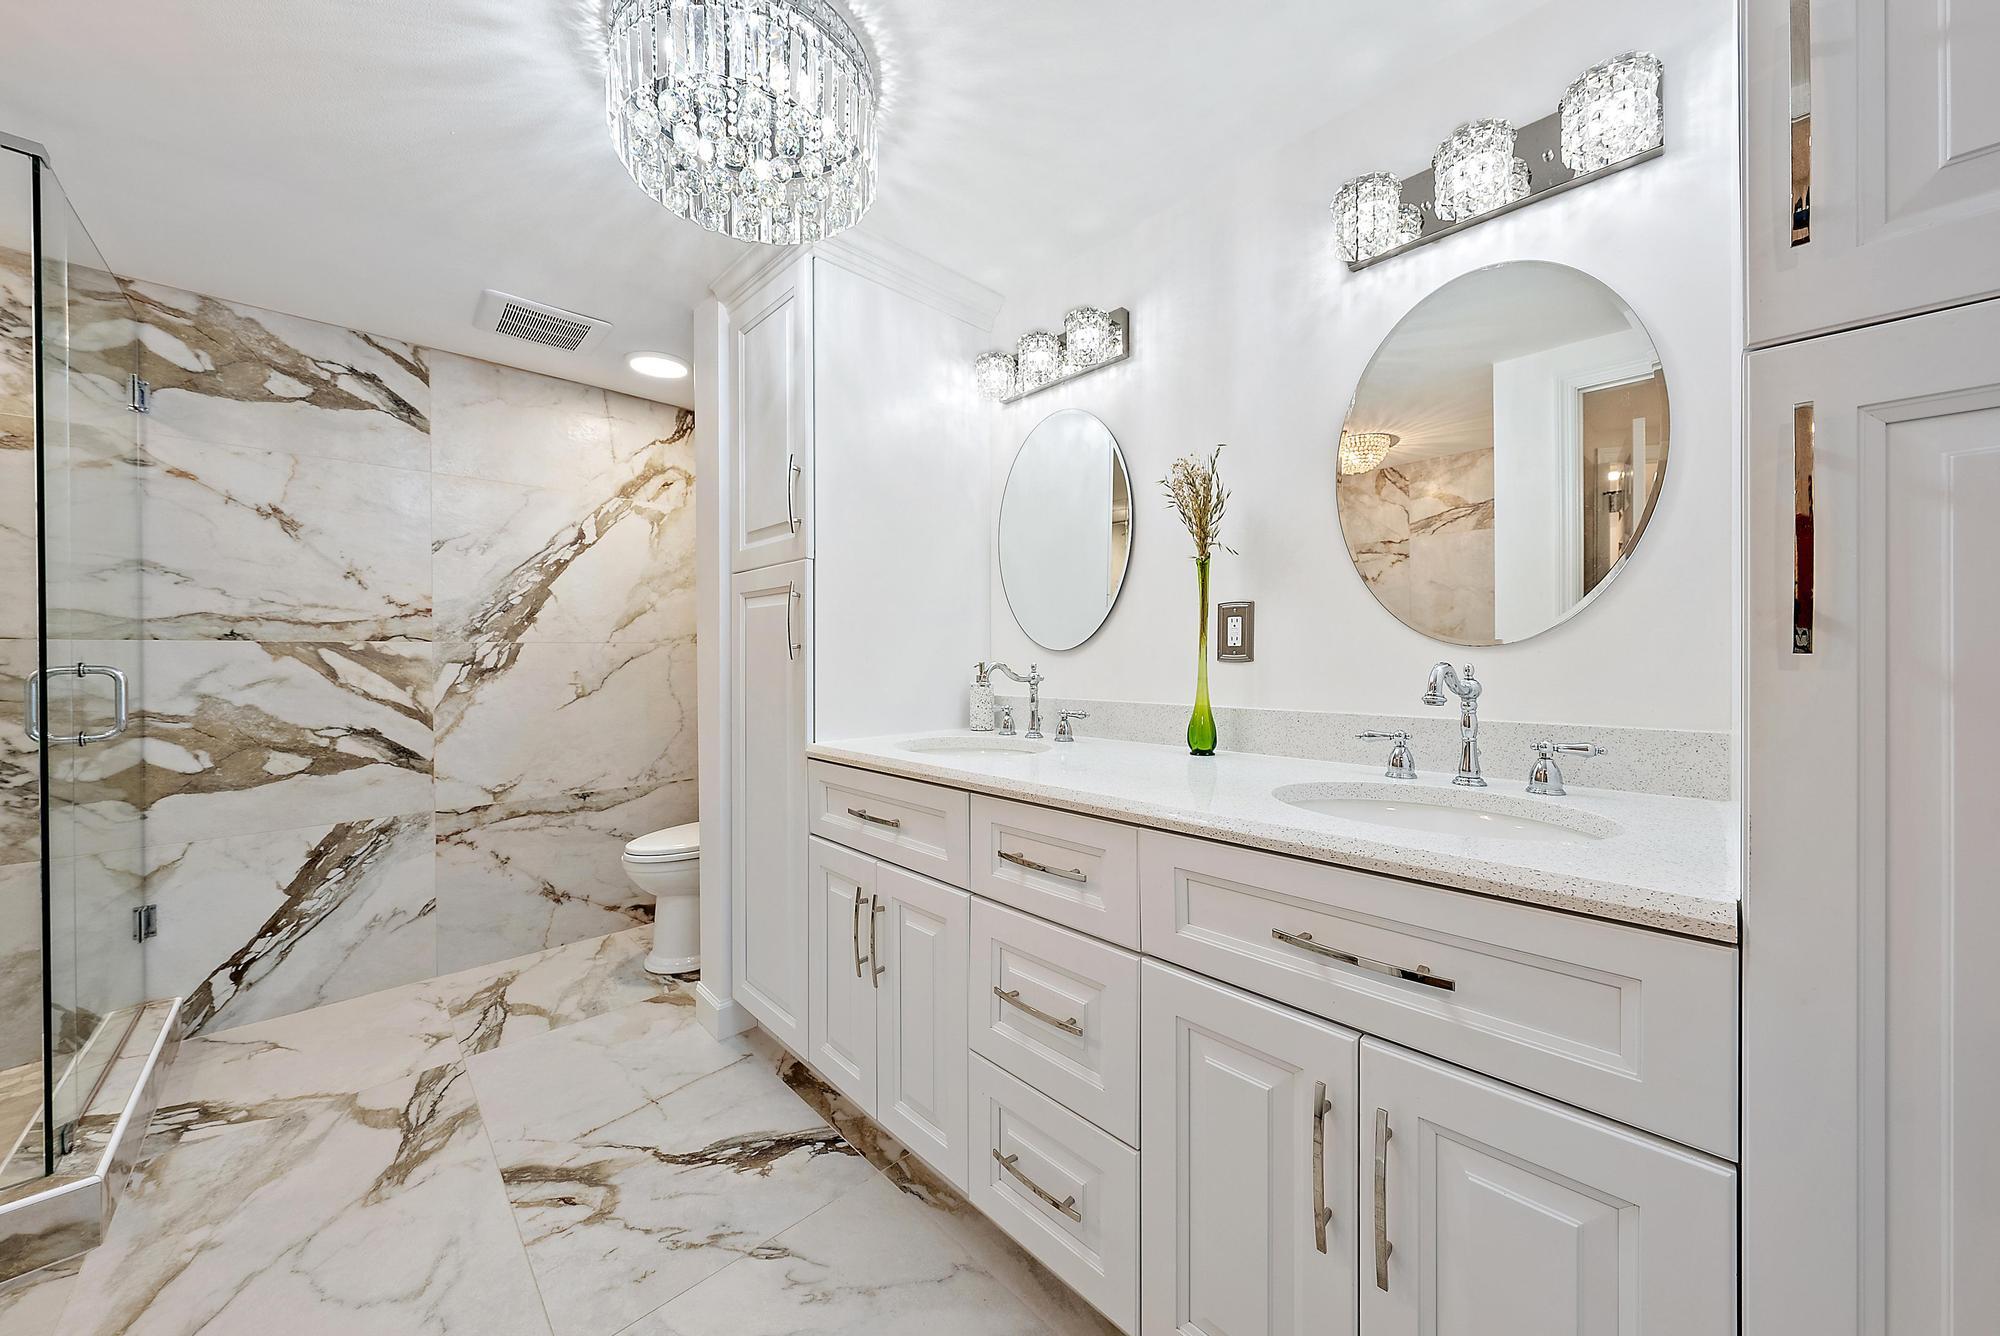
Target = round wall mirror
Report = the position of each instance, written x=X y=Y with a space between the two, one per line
x=1503 y=452
x=1065 y=529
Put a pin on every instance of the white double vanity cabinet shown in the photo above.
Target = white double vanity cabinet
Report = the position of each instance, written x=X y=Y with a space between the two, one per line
x=1222 y=1090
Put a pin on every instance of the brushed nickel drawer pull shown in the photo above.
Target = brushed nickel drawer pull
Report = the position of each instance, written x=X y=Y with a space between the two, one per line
x=876 y=906
x=1421 y=974
x=865 y=815
x=1067 y=1205
x=1322 y=1213
x=1012 y=997
x=1382 y=1245
x=857 y=934
x=1075 y=874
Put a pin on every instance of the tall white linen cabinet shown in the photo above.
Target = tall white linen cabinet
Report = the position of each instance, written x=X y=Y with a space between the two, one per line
x=1871 y=916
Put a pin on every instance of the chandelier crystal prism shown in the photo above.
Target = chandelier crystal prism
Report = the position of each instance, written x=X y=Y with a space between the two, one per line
x=1363 y=451
x=752 y=118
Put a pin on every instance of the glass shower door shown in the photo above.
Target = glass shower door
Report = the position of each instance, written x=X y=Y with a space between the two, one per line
x=94 y=765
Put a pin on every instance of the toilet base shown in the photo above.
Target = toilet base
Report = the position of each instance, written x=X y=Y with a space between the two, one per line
x=676 y=941
x=661 y=966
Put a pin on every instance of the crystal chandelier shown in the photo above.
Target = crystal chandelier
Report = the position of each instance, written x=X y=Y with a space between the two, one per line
x=1361 y=451
x=1612 y=112
x=753 y=118
x=1476 y=170
x=1370 y=217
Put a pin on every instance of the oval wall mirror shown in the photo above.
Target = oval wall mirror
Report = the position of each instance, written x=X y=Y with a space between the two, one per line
x=1503 y=452
x=1065 y=529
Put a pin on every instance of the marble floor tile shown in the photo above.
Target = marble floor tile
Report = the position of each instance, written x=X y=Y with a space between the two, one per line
x=351 y=541
x=379 y=1211
x=323 y=1053
x=517 y=999
x=519 y=877
x=265 y=925
x=869 y=1264
x=246 y=736
x=233 y=374
x=32 y=1305
x=620 y=1216
x=518 y=721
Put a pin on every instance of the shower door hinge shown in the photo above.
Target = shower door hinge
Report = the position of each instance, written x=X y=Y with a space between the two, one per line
x=145 y=923
x=142 y=395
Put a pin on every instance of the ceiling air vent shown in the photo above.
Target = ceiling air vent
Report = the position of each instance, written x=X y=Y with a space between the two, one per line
x=519 y=318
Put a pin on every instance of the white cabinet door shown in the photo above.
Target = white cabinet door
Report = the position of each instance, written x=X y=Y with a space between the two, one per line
x=770 y=416
x=1871 y=1007
x=841 y=1014
x=769 y=724
x=919 y=943
x=1492 y=1212
x=1904 y=136
x=1249 y=1117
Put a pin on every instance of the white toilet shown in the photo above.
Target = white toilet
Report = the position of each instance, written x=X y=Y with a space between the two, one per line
x=667 y=866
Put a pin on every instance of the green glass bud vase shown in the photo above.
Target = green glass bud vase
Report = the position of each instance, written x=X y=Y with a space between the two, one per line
x=1201 y=726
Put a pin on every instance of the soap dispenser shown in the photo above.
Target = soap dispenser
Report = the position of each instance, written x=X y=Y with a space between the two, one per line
x=981 y=708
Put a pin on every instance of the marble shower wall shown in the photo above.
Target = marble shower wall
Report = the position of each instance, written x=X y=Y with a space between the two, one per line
x=1422 y=537
x=419 y=656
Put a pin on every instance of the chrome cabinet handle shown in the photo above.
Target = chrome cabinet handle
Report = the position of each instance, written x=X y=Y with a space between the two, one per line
x=875 y=977
x=120 y=702
x=1800 y=32
x=1012 y=997
x=863 y=814
x=1802 y=528
x=1075 y=874
x=1382 y=1245
x=857 y=934
x=792 y=472
x=1322 y=1213
x=792 y=644
x=1421 y=974
x=1066 y=1206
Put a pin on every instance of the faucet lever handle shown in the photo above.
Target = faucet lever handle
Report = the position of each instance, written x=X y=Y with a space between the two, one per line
x=1402 y=765
x=1064 y=733
x=1547 y=750
x=1374 y=735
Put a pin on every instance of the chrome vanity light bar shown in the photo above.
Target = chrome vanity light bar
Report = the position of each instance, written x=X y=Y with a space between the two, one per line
x=1091 y=340
x=1611 y=118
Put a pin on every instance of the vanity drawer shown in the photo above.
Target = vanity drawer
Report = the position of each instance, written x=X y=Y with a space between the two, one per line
x=1066 y=1191
x=918 y=826
x=1069 y=1021
x=1075 y=870
x=1637 y=1025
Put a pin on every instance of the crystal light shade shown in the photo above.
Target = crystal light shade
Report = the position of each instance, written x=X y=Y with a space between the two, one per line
x=1369 y=217
x=1037 y=359
x=995 y=374
x=1361 y=451
x=753 y=118
x=1089 y=337
x=1476 y=170
x=1612 y=112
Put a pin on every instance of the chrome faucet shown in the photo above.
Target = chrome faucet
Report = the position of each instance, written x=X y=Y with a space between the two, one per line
x=1467 y=689
x=1033 y=681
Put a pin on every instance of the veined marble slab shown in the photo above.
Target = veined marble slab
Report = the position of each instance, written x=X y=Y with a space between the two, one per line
x=1673 y=863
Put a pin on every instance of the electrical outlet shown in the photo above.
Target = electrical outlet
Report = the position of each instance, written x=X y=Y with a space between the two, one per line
x=1236 y=632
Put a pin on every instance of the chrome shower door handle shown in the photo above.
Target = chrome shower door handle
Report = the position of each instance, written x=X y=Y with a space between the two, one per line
x=121 y=695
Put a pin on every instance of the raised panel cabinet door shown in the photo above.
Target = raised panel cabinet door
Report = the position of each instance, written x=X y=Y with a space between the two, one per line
x=921 y=946
x=1488 y=1211
x=770 y=428
x=1871 y=1011
x=841 y=1013
x=1873 y=135
x=1249 y=1115
x=769 y=725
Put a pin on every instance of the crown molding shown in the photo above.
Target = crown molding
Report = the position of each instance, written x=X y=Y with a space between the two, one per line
x=895 y=267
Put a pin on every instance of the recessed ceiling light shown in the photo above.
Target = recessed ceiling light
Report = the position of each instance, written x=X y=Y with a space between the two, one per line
x=657 y=364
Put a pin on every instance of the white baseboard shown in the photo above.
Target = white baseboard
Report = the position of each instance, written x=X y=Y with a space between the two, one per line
x=724 y=1018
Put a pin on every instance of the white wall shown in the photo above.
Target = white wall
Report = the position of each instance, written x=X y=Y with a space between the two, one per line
x=1248 y=329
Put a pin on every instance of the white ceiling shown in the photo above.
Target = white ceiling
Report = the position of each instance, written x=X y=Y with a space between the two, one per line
x=376 y=163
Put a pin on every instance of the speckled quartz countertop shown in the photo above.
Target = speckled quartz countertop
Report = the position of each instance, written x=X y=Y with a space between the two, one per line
x=1668 y=863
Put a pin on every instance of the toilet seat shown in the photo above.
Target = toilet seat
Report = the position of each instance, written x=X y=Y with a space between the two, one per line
x=675 y=844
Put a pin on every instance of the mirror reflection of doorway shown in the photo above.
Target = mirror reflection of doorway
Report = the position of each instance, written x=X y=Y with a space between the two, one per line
x=1622 y=432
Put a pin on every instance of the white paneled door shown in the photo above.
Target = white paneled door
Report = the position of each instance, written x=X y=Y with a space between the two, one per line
x=843 y=925
x=770 y=422
x=1895 y=206
x=1871 y=918
x=769 y=723
x=1488 y=1211
x=1249 y=1116
x=919 y=944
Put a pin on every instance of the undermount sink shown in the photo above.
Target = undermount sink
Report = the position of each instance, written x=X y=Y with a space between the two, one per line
x=974 y=744
x=1485 y=817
